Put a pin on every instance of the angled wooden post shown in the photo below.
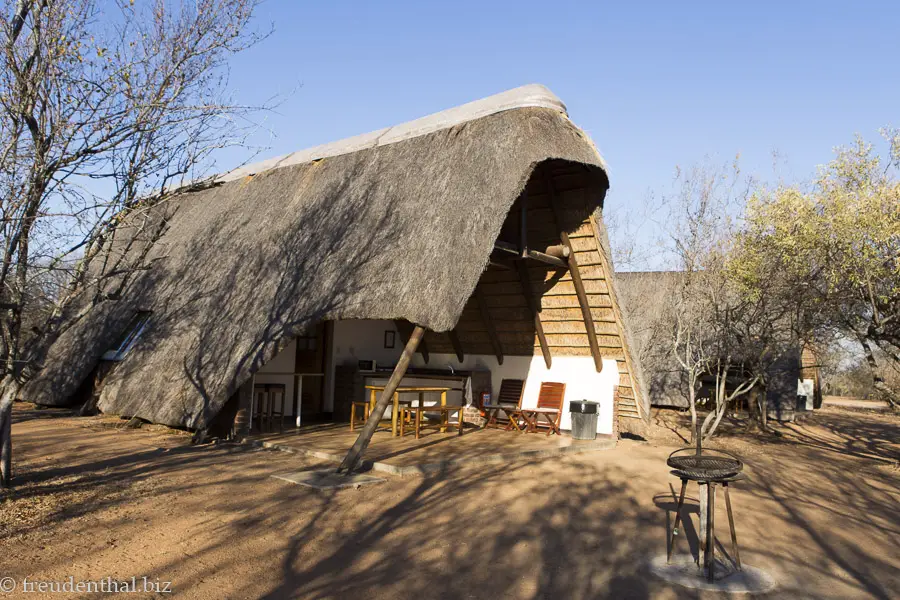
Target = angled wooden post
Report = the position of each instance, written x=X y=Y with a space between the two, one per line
x=576 y=280
x=585 y=310
x=535 y=309
x=489 y=325
x=457 y=347
x=355 y=453
x=405 y=328
x=526 y=279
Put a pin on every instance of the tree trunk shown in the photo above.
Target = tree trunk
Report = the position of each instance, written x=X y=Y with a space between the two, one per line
x=692 y=403
x=707 y=420
x=13 y=320
x=764 y=409
x=721 y=406
x=878 y=382
x=6 y=404
x=886 y=392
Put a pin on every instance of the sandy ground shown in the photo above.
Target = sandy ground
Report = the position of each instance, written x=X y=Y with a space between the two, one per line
x=820 y=512
x=849 y=402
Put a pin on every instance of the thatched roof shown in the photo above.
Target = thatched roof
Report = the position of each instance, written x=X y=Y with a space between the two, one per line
x=398 y=224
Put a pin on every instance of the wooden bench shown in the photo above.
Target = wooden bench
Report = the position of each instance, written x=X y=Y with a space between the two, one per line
x=413 y=414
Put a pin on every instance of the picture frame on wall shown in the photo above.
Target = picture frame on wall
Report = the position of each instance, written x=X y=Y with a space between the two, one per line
x=390 y=338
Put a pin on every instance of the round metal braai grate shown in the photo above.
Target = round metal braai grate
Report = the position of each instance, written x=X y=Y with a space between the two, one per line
x=705 y=466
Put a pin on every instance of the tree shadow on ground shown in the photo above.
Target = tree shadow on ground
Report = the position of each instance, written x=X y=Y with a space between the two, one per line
x=847 y=434
x=576 y=527
x=29 y=412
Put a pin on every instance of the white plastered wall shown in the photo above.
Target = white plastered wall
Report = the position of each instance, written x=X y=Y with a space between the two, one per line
x=283 y=362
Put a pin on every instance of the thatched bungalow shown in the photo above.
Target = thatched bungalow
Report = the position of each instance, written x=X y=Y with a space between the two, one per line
x=482 y=224
x=794 y=381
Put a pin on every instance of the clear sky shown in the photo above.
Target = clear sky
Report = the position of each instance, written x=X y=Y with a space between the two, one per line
x=654 y=84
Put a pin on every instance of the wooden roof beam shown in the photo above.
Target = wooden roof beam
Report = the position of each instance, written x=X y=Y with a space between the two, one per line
x=576 y=280
x=499 y=265
x=405 y=329
x=457 y=346
x=489 y=325
x=533 y=307
x=354 y=454
x=525 y=278
x=556 y=251
x=553 y=255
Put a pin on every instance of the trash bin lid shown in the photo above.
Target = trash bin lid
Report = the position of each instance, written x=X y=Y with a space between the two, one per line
x=583 y=406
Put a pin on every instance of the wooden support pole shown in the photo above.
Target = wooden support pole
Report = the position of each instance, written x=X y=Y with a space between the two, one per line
x=502 y=246
x=547 y=259
x=558 y=251
x=404 y=328
x=552 y=255
x=585 y=310
x=532 y=306
x=526 y=279
x=457 y=346
x=423 y=350
x=351 y=460
x=576 y=281
x=489 y=325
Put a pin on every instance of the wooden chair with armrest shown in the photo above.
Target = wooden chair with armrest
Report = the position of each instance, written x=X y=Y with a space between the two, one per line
x=509 y=402
x=549 y=409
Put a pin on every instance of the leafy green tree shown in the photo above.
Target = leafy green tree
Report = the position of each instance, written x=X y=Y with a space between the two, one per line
x=837 y=244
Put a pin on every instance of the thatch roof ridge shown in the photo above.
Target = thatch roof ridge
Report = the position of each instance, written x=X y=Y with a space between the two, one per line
x=531 y=95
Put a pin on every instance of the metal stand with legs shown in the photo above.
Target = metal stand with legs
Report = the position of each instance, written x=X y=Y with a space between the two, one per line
x=708 y=545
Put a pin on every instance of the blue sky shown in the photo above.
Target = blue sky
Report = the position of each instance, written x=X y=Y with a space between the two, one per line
x=654 y=84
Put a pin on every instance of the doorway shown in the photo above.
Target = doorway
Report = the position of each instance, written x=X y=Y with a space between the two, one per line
x=310 y=360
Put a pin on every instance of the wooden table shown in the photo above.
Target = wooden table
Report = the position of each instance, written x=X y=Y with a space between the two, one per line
x=412 y=389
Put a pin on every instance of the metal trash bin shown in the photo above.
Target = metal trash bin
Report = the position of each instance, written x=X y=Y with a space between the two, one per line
x=584 y=419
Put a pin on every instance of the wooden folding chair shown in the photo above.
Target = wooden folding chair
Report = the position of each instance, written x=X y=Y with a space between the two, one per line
x=549 y=409
x=509 y=401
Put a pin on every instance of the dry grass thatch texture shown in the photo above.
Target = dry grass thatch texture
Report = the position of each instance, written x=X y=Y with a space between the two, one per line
x=401 y=231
